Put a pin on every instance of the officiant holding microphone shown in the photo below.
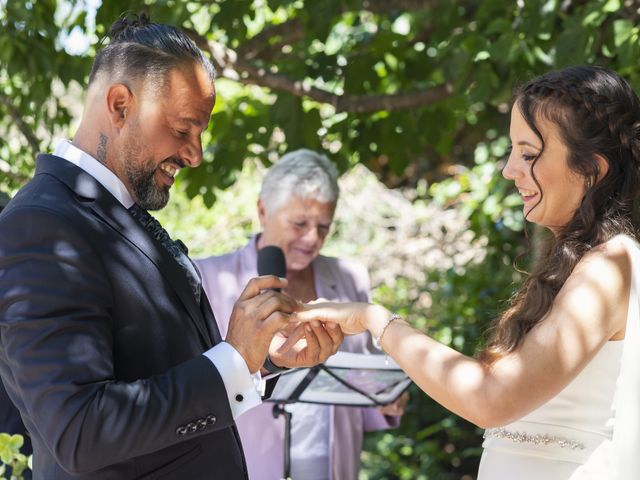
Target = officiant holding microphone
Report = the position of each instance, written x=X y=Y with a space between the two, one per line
x=296 y=207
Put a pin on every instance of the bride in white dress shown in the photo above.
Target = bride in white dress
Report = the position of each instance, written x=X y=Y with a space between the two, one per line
x=557 y=386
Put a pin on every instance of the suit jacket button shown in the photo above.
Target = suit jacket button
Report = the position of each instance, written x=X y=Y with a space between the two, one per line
x=191 y=427
x=202 y=423
x=211 y=420
x=181 y=430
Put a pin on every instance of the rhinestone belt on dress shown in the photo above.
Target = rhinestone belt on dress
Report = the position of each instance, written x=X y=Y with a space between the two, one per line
x=536 y=439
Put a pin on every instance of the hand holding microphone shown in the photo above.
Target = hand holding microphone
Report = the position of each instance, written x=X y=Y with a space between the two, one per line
x=296 y=345
x=271 y=261
x=260 y=312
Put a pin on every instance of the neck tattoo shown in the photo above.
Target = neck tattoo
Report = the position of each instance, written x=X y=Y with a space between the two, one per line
x=101 y=153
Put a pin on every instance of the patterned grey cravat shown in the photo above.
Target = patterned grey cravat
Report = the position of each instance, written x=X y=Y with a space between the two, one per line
x=176 y=248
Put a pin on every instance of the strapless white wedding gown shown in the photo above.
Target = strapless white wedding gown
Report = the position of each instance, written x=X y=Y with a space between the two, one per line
x=591 y=429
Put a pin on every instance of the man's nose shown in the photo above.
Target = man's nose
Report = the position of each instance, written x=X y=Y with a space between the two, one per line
x=191 y=153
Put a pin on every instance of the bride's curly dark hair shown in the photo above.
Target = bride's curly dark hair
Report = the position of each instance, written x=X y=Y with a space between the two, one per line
x=597 y=114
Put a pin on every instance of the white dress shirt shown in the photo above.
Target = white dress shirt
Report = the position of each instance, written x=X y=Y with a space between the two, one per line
x=243 y=389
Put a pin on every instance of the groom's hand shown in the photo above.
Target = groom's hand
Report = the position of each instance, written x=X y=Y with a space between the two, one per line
x=258 y=314
x=305 y=344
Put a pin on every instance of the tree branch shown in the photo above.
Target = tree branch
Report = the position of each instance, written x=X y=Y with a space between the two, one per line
x=33 y=141
x=242 y=71
x=387 y=6
x=344 y=103
x=290 y=31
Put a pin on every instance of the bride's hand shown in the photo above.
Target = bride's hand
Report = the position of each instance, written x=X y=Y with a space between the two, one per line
x=353 y=317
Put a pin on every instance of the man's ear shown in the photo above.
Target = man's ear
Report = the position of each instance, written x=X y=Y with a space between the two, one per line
x=119 y=102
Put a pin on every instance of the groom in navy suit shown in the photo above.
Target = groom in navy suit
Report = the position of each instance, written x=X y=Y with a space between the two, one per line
x=10 y=421
x=108 y=346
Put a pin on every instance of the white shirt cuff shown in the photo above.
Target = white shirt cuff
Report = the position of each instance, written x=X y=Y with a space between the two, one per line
x=243 y=389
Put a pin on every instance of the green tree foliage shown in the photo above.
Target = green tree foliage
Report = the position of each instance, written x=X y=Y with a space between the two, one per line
x=32 y=64
x=407 y=87
x=12 y=462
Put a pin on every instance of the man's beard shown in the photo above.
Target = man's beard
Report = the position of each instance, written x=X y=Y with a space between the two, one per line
x=148 y=194
x=140 y=175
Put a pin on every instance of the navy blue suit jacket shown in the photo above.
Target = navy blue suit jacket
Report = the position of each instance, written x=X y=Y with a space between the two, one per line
x=101 y=341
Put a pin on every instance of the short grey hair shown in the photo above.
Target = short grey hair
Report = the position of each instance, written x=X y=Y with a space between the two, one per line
x=303 y=173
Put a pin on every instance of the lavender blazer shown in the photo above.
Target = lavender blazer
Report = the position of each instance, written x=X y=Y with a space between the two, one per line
x=223 y=279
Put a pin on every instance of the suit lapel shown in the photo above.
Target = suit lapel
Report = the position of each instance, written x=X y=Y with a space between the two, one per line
x=121 y=220
x=210 y=319
x=109 y=210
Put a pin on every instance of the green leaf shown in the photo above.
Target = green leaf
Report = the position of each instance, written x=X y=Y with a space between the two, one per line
x=622 y=31
x=570 y=46
x=612 y=6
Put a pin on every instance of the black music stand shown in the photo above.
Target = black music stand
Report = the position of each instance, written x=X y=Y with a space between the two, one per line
x=346 y=379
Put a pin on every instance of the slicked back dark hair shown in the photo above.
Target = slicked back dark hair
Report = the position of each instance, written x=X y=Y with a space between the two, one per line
x=141 y=50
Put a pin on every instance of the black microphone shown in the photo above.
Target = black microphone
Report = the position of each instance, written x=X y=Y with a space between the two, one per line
x=271 y=262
